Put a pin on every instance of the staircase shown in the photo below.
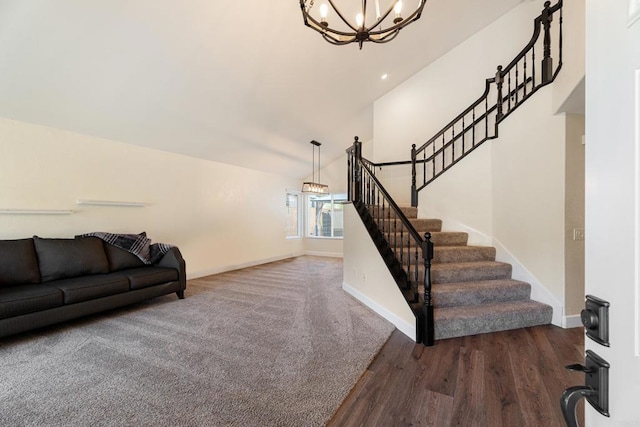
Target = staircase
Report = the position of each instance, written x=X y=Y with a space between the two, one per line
x=455 y=289
x=472 y=292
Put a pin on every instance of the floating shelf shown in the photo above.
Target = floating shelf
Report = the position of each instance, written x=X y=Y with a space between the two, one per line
x=35 y=212
x=110 y=203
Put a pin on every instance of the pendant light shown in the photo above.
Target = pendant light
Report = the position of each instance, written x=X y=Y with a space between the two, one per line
x=315 y=187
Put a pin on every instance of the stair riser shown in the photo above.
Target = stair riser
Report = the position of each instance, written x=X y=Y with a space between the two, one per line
x=457 y=327
x=421 y=225
x=408 y=212
x=466 y=274
x=443 y=298
x=438 y=238
x=457 y=254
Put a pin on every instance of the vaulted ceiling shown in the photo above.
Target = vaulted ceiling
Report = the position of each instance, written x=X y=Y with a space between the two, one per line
x=236 y=82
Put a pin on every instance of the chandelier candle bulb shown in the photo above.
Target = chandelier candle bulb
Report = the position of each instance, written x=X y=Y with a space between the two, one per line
x=324 y=11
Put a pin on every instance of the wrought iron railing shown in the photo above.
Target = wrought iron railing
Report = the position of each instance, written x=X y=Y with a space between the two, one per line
x=520 y=79
x=396 y=237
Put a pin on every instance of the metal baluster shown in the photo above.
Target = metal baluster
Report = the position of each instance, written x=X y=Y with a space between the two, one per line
x=382 y=219
x=517 y=84
x=378 y=207
x=486 y=117
x=473 y=129
x=463 y=132
x=433 y=166
x=409 y=257
x=414 y=191
x=389 y=223
x=560 y=41
x=416 y=296
x=402 y=245
x=509 y=85
x=499 y=79
x=395 y=235
x=424 y=166
x=525 y=74
x=442 y=153
x=533 y=67
x=453 y=144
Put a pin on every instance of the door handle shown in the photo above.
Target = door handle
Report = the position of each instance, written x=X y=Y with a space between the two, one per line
x=595 y=389
x=570 y=399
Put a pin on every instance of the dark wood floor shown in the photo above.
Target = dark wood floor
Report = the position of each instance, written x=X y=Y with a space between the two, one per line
x=512 y=378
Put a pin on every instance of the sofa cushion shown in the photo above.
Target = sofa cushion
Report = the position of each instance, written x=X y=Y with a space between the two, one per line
x=85 y=288
x=18 y=263
x=120 y=259
x=148 y=276
x=23 y=299
x=62 y=258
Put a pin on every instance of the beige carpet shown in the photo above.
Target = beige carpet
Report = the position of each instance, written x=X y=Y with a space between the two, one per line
x=274 y=345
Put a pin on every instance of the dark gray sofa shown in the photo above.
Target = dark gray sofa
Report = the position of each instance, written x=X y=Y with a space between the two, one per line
x=47 y=281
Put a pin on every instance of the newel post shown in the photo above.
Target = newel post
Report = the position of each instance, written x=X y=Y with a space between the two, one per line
x=499 y=79
x=357 y=163
x=547 y=61
x=414 y=190
x=428 y=338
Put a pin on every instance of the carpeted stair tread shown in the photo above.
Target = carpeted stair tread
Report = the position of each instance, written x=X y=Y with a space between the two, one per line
x=477 y=319
x=479 y=292
x=469 y=271
x=448 y=254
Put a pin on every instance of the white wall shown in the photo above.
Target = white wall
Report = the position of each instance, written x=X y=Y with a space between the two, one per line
x=367 y=277
x=574 y=214
x=528 y=181
x=572 y=74
x=220 y=216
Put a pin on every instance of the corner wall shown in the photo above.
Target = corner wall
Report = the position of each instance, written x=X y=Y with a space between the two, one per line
x=220 y=216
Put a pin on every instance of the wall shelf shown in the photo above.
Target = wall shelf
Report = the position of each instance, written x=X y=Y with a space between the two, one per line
x=35 y=212
x=110 y=203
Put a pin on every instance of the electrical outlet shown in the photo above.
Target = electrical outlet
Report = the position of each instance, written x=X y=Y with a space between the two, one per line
x=578 y=234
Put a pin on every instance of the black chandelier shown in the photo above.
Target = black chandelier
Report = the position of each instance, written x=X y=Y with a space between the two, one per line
x=383 y=28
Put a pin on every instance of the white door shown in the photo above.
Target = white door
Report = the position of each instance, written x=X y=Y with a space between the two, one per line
x=613 y=196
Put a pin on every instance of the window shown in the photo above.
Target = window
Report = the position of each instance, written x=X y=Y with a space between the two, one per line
x=325 y=215
x=292 y=224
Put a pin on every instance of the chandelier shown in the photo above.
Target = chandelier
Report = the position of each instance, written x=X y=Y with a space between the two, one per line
x=371 y=22
x=315 y=187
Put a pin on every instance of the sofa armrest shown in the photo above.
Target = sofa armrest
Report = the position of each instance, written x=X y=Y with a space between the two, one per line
x=173 y=259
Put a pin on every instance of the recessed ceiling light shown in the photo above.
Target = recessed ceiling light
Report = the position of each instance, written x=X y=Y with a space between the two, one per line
x=384 y=76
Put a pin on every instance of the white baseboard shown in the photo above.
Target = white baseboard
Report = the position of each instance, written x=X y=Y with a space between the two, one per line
x=574 y=321
x=406 y=328
x=224 y=269
x=327 y=254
